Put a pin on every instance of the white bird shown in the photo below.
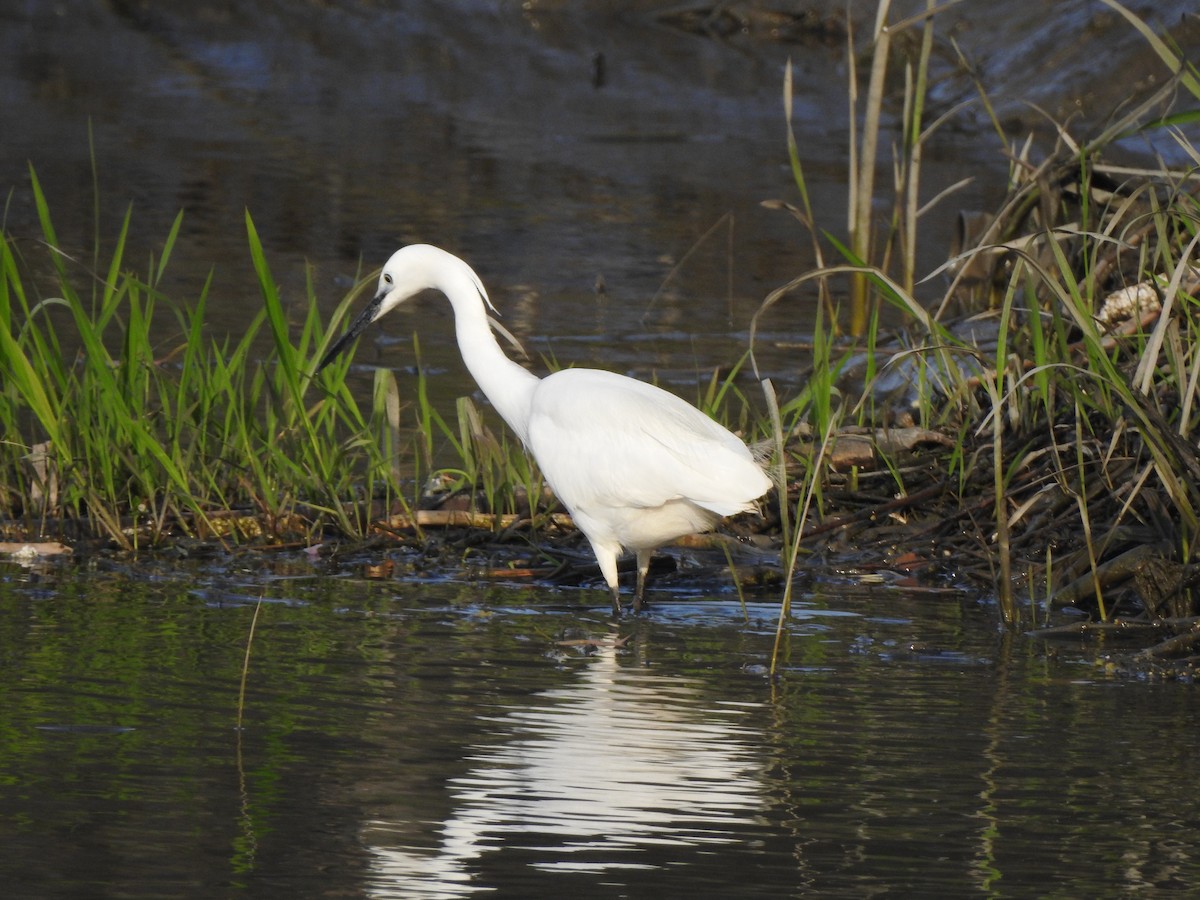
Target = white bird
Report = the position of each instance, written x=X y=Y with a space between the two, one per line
x=634 y=465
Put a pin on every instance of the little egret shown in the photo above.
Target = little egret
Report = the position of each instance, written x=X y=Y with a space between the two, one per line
x=634 y=465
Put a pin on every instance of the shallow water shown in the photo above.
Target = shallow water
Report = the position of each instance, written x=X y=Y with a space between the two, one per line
x=443 y=740
x=351 y=127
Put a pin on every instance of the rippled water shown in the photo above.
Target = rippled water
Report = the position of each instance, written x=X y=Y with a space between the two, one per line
x=452 y=739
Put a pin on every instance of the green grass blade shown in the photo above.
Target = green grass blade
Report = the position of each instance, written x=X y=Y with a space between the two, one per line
x=1186 y=73
x=20 y=373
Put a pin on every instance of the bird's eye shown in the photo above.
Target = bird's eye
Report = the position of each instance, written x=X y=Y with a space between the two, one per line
x=387 y=279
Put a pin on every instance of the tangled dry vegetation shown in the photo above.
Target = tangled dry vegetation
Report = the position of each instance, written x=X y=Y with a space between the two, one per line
x=1045 y=441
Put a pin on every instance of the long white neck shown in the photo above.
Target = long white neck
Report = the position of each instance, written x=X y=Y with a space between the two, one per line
x=507 y=385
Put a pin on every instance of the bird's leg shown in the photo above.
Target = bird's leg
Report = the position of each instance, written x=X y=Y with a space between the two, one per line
x=606 y=558
x=643 y=566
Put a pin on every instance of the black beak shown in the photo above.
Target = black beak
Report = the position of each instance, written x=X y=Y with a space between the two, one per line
x=365 y=318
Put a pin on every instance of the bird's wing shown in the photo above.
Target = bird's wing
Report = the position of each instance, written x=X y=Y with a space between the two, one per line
x=604 y=439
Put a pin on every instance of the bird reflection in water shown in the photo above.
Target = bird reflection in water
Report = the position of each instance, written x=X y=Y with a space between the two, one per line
x=608 y=773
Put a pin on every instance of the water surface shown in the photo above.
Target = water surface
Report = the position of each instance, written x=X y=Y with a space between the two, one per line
x=349 y=128
x=445 y=740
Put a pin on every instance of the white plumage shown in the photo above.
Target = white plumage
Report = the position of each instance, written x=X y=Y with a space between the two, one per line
x=636 y=466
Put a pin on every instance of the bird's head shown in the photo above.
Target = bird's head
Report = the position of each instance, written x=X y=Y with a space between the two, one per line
x=411 y=270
